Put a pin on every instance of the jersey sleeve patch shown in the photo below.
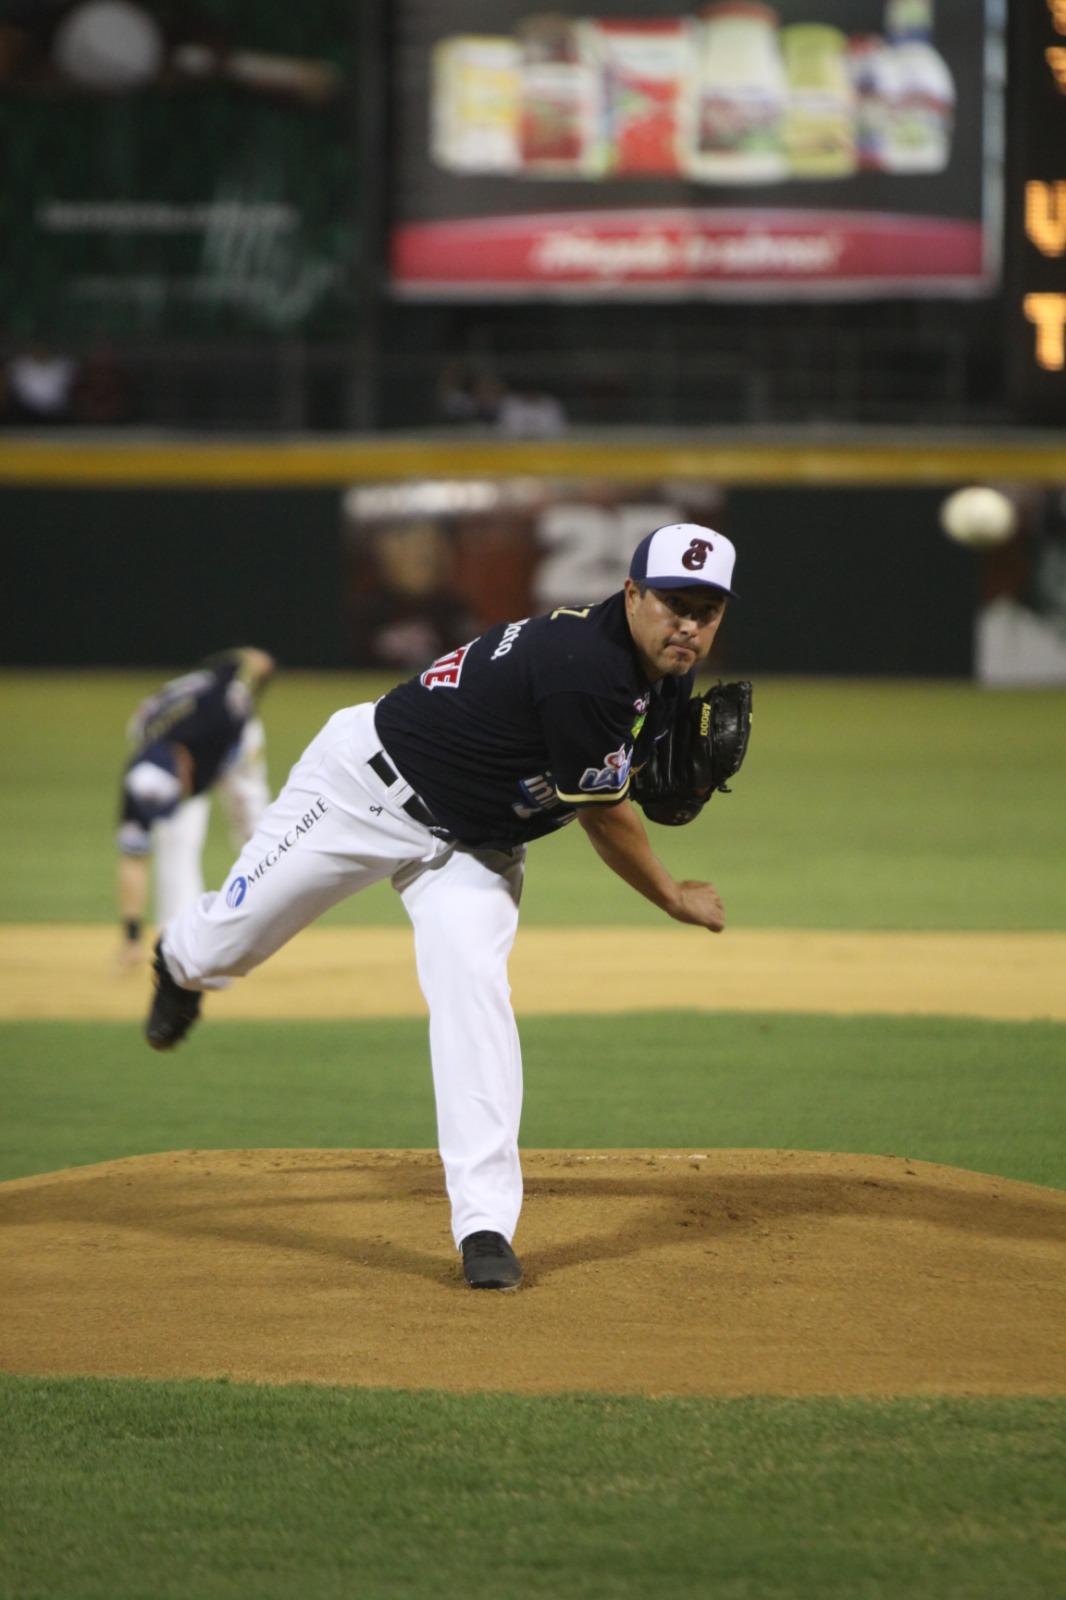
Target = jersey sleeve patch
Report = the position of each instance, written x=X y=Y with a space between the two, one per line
x=591 y=746
x=614 y=774
x=607 y=782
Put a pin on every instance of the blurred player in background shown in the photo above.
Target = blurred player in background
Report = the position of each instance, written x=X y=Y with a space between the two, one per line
x=199 y=732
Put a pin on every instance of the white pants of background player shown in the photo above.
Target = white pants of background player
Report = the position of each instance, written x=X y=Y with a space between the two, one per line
x=336 y=828
x=178 y=841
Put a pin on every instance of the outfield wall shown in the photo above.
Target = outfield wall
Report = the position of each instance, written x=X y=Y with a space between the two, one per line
x=371 y=553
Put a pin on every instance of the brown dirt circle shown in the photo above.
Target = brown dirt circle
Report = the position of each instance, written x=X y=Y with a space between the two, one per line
x=657 y=1272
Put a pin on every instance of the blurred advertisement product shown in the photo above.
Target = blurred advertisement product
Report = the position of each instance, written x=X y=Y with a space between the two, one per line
x=733 y=96
x=819 y=123
x=738 y=96
x=922 y=99
x=475 y=104
x=643 y=66
x=875 y=83
x=559 y=99
x=745 y=148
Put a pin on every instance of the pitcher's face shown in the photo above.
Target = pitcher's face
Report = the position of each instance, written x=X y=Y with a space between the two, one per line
x=673 y=629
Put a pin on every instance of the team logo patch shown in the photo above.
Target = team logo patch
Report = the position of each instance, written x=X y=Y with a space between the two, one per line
x=236 y=892
x=613 y=773
x=695 y=557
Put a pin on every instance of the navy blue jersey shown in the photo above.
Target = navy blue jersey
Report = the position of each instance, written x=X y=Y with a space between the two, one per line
x=505 y=737
x=204 y=710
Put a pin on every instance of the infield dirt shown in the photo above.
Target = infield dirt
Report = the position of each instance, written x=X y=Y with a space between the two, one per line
x=369 y=972
x=658 y=1272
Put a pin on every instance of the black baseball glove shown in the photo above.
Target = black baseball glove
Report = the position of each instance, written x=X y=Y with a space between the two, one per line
x=703 y=749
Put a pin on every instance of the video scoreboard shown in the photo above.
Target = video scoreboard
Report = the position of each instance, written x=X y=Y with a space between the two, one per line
x=1035 y=256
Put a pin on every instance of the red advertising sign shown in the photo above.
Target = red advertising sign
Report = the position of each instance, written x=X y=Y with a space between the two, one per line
x=726 y=248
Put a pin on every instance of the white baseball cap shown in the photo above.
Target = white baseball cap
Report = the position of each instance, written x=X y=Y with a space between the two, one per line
x=684 y=555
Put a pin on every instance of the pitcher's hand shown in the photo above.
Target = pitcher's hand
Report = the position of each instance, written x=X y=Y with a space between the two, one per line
x=698 y=903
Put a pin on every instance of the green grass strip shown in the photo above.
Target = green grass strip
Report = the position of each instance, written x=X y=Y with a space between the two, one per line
x=876 y=804
x=988 y=1096
x=116 y=1489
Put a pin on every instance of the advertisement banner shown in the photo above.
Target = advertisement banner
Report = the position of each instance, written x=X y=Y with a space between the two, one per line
x=849 y=148
x=432 y=562
x=429 y=563
x=175 y=169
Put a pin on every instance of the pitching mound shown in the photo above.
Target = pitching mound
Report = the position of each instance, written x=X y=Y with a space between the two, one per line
x=659 y=1272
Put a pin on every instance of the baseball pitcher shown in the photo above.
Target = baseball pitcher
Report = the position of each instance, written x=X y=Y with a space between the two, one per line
x=441 y=786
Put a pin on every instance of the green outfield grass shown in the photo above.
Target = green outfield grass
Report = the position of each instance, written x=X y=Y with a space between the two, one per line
x=213 y=1491
x=865 y=805
x=981 y=1095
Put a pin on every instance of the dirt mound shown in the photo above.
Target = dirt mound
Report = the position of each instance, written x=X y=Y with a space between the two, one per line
x=658 y=1272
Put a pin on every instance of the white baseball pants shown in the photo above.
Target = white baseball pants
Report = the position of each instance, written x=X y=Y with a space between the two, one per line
x=178 y=840
x=336 y=828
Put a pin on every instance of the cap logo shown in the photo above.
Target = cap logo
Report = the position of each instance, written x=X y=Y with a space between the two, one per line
x=684 y=555
x=695 y=557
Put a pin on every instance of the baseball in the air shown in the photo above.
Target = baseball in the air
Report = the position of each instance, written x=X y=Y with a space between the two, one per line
x=978 y=517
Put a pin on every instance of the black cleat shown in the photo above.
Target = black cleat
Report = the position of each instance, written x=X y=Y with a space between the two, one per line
x=174 y=1010
x=489 y=1262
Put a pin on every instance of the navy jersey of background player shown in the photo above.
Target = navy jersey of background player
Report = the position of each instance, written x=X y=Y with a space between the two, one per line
x=204 y=710
x=504 y=737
